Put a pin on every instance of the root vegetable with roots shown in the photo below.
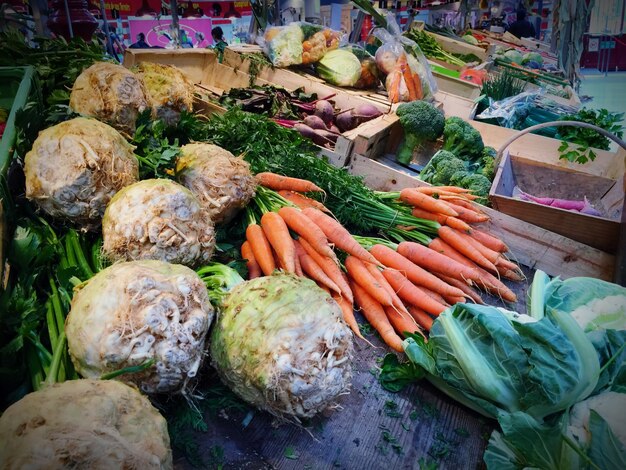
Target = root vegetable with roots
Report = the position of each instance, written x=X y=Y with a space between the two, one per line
x=95 y=424
x=222 y=182
x=110 y=93
x=281 y=344
x=139 y=311
x=169 y=91
x=74 y=169
x=157 y=219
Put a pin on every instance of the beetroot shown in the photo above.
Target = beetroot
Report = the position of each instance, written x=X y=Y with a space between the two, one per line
x=345 y=121
x=365 y=112
x=324 y=110
x=314 y=122
x=335 y=129
x=315 y=135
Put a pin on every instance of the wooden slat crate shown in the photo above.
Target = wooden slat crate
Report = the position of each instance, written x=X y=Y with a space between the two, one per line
x=544 y=180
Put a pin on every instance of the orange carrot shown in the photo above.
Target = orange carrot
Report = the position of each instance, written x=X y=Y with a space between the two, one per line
x=505 y=263
x=357 y=270
x=509 y=274
x=421 y=317
x=467 y=205
x=301 y=224
x=299 y=272
x=411 y=294
x=437 y=189
x=489 y=240
x=456 y=198
x=277 y=233
x=418 y=86
x=408 y=77
x=254 y=270
x=484 y=278
x=279 y=182
x=402 y=323
x=312 y=270
x=302 y=201
x=261 y=248
x=442 y=219
x=375 y=315
x=457 y=242
x=395 y=300
x=434 y=295
x=415 y=198
x=469 y=292
x=330 y=268
x=454 y=300
x=415 y=273
x=347 y=309
x=338 y=235
x=491 y=255
x=467 y=215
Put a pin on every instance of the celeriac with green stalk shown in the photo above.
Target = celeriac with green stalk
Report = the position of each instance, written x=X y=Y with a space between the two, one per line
x=280 y=343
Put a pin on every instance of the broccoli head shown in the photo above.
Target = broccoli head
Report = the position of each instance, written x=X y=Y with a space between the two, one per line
x=460 y=138
x=479 y=185
x=421 y=122
x=446 y=169
x=458 y=177
x=488 y=163
x=431 y=167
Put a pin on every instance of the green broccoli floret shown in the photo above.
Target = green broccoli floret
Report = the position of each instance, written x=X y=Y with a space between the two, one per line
x=421 y=122
x=460 y=138
x=446 y=169
x=479 y=185
x=431 y=167
x=456 y=178
x=488 y=163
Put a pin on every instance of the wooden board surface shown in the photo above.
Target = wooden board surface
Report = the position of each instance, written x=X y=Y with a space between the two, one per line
x=532 y=246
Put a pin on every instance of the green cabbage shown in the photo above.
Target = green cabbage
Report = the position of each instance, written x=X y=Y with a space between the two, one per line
x=468 y=38
x=339 y=67
x=532 y=57
x=497 y=361
x=513 y=56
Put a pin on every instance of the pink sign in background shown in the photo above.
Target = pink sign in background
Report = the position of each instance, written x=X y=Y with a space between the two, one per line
x=157 y=32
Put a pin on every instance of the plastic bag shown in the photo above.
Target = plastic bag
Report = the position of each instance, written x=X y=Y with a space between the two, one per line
x=339 y=67
x=408 y=74
x=298 y=43
x=370 y=75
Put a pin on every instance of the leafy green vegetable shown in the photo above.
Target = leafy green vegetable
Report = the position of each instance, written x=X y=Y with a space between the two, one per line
x=339 y=67
x=431 y=48
x=499 y=361
x=502 y=85
x=462 y=139
x=421 y=122
x=394 y=375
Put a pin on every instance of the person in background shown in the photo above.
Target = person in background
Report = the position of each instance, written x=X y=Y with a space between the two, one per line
x=141 y=42
x=220 y=44
x=522 y=28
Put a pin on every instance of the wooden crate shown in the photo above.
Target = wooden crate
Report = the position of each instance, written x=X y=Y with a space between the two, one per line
x=544 y=180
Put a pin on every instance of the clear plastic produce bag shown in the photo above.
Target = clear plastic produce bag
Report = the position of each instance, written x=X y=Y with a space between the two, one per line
x=350 y=66
x=408 y=75
x=298 y=43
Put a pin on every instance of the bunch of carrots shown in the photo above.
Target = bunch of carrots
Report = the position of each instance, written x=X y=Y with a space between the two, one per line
x=399 y=288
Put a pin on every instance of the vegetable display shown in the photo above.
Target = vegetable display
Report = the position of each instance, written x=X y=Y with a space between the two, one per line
x=299 y=43
x=101 y=423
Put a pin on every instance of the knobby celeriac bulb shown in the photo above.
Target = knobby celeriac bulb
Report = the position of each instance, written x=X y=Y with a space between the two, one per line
x=137 y=311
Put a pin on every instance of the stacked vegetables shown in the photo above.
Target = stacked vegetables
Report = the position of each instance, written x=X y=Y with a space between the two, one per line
x=397 y=287
x=299 y=43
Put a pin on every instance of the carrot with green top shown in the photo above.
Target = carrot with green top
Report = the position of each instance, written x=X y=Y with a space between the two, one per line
x=402 y=323
x=330 y=268
x=359 y=273
x=301 y=224
x=421 y=317
x=415 y=273
x=489 y=240
x=459 y=243
x=375 y=315
x=279 y=182
x=442 y=219
x=347 y=310
x=302 y=201
x=415 y=198
x=312 y=270
x=430 y=190
x=277 y=233
x=261 y=248
x=337 y=234
x=395 y=300
x=411 y=294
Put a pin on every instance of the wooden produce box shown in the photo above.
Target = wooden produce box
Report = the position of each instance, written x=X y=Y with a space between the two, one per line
x=544 y=180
